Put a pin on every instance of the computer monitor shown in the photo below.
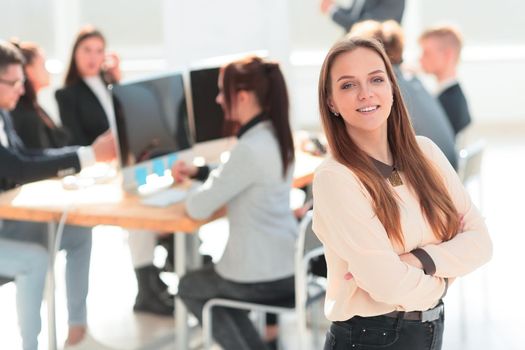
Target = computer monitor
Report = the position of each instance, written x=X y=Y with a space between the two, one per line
x=208 y=117
x=212 y=132
x=156 y=116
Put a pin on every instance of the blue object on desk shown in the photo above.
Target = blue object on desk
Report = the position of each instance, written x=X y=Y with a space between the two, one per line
x=140 y=175
x=158 y=166
x=172 y=158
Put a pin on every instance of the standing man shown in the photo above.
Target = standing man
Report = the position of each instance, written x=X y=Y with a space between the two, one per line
x=27 y=262
x=441 y=50
x=360 y=10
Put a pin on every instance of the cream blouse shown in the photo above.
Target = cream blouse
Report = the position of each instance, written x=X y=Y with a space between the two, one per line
x=355 y=241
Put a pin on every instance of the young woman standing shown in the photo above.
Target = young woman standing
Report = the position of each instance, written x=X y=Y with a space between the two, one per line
x=395 y=220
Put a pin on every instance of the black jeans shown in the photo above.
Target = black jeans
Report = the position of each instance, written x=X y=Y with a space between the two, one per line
x=382 y=332
x=232 y=328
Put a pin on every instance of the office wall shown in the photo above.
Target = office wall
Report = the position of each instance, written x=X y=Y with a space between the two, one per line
x=158 y=35
x=200 y=29
x=493 y=61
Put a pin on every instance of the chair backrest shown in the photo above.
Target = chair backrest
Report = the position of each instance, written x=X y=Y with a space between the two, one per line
x=308 y=247
x=470 y=160
x=307 y=240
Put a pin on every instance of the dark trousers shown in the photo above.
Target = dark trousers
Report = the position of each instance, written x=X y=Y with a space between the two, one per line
x=382 y=332
x=232 y=328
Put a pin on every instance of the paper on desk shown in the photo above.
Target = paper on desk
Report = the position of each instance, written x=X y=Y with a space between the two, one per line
x=50 y=193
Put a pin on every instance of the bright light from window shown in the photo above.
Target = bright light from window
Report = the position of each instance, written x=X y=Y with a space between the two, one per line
x=54 y=66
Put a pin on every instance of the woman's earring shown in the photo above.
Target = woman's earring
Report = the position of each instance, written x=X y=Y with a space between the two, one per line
x=332 y=109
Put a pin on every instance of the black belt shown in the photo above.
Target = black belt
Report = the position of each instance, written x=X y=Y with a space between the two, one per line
x=423 y=316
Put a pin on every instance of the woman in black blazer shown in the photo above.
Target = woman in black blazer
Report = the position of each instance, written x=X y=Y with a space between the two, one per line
x=34 y=126
x=87 y=106
x=87 y=109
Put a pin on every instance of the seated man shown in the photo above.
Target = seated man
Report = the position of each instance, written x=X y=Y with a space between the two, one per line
x=26 y=262
x=441 y=48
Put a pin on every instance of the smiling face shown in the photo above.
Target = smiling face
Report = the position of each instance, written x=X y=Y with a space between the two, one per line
x=361 y=92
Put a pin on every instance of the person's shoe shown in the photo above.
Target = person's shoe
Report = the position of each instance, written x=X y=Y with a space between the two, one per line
x=207 y=259
x=88 y=343
x=153 y=295
x=166 y=241
x=154 y=305
x=159 y=287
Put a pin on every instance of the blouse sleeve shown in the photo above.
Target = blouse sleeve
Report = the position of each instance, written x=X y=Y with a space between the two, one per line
x=470 y=248
x=345 y=222
x=224 y=183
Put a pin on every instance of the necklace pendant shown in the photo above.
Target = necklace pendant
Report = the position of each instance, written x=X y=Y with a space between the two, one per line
x=395 y=179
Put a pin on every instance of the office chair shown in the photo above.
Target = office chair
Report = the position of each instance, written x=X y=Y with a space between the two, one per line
x=308 y=289
x=469 y=166
x=469 y=169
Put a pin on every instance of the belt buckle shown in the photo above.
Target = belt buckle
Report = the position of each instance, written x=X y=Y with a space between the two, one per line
x=432 y=314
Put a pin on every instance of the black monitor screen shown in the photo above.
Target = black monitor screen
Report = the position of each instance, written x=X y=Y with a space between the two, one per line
x=155 y=115
x=208 y=117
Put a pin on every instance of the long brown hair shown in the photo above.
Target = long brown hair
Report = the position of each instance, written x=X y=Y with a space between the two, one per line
x=73 y=75
x=30 y=51
x=266 y=81
x=424 y=179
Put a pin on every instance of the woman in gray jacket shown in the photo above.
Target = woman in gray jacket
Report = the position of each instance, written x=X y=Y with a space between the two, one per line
x=254 y=184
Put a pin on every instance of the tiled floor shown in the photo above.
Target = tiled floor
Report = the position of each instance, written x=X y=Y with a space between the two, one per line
x=484 y=309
